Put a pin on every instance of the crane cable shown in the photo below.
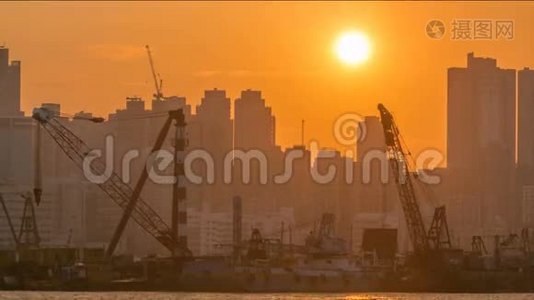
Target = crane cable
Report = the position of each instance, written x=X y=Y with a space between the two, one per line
x=426 y=191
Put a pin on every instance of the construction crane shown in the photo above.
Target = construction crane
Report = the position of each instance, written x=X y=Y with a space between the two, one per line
x=438 y=233
x=323 y=242
x=121 y=193
x=422 y=242
x=28 y=236
x=37 y=177
x=158 y=83
x=9 y=222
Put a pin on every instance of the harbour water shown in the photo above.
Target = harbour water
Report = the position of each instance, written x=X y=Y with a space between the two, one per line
x=12 y=295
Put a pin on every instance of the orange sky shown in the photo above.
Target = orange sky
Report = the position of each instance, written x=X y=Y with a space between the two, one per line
x=90 y=56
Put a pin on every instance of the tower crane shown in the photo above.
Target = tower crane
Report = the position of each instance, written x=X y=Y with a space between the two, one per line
x=158 y=83
x=423 y=242
x=121 y=193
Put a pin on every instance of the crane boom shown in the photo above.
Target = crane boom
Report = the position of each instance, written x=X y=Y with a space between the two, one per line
x=129 y=209
x=157 y=83
x=120 y=192
x=399 y=167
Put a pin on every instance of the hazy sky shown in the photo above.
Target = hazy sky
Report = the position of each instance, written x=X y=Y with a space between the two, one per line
x=90 y=56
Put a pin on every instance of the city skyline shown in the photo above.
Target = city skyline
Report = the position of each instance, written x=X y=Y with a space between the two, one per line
x=138 y=105
x=267 y=147
x=293 y=68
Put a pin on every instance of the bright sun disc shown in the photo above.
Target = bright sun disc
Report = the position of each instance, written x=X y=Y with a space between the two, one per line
x=353 y=48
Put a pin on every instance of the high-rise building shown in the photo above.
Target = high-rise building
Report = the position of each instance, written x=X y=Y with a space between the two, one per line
x=373 y=139
x=254 y=122
x=9 y=85
x=213 y=123
x=171 y=103
x=525 y=130
x=525 y=144
x=481 y=115
x=481 y=140
x=372 y=165
x=210 y=130
x=16 y=131
x=254 y=130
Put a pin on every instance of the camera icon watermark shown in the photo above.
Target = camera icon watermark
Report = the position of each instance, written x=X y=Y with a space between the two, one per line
x=435 y=29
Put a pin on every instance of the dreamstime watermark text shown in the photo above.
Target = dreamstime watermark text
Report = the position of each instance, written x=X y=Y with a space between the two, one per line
x=325 y=167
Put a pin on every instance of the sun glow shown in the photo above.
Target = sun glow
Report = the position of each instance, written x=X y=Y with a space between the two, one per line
x=353 y=48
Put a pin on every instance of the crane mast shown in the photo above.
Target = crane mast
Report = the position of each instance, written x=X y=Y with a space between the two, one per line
x=398 y=165
x=120 y=192
x=28 y=234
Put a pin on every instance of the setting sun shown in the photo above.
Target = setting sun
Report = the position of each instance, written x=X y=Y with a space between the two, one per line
x=353 y=48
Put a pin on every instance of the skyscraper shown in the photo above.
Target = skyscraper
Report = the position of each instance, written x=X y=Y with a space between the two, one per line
x=372 y=193
x=254 y=122
x=211 y=130
x=525 y=144
x=481 y=138
x=481 y=115
x=525 y=132
x=213 y=123
x=9 y=85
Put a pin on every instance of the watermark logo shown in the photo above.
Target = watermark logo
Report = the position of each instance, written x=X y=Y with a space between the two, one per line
x=504 y=30
x=472 y=29
x=349 y=129
x=435 y=29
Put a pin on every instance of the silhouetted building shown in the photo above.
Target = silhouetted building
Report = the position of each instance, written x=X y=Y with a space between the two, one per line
x=481 y=115
x=9 y=85
x=16 y=150
x=211 y=131
x=170 y=103
x=331 y=192
x=373 y=166
x=17 y=156
x=525 y=133
x=525 y=143
x=481 y=140
x=213 y=122
x=373 y=139
x=254 y=122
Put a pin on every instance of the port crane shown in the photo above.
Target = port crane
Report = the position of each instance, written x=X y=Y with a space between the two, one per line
x=121 y=193
x=423 y=242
